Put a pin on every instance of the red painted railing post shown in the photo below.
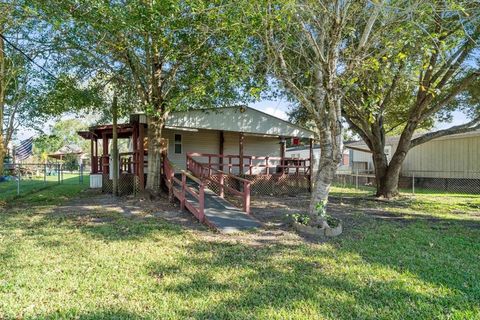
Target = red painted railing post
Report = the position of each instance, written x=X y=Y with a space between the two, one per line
x=246 y=196
x=222 y=182
x=184 y=186
x=201 y=202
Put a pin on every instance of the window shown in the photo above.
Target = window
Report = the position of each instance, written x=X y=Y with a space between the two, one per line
x=178 y=143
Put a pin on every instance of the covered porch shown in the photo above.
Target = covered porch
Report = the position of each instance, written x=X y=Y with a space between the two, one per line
x=253 y=148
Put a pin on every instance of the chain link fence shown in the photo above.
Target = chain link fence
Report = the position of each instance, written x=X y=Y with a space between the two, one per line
x=413 y=182
x=24 y=178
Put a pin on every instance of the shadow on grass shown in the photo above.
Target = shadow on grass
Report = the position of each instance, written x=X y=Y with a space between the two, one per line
x=284 y=280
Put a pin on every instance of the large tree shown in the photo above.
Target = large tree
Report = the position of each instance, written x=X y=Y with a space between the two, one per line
x=312 y=48
x=421 y=71
x=178 y=54
x=20 y=79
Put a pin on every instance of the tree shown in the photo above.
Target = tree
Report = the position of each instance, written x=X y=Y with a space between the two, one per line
x=178 y=55
x=23 y=53
x=420 y=72
x=305 y=42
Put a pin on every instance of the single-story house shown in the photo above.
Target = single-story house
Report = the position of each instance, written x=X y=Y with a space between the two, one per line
x=239 y=140
x=446 y=160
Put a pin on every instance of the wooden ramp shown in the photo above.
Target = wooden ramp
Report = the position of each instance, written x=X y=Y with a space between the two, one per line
x=207 y=206
x=221 y=214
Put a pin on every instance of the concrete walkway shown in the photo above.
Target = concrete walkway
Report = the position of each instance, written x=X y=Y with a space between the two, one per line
x=224 y=216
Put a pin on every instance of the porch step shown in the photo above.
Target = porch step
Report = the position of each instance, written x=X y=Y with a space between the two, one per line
x=223 y=216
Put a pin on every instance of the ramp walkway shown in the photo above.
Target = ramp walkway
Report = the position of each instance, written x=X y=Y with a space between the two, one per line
x=206 y=205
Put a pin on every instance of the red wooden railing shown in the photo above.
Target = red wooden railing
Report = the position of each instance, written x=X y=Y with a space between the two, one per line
x=263 y=165
x=179 y=189
x=206 y=173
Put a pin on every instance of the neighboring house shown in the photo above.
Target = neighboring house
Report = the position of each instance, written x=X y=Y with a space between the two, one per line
x=304 y=152
x=453 y=159
x=240 y=140
x=454 y=156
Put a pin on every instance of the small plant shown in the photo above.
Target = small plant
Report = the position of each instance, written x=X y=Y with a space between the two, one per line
x=300 y=218
x=321 y=208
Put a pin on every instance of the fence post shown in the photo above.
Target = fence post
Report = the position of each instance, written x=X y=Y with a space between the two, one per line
x=18 y=179
x=201 y=202
x=58 y=173
x=356 y=180
x=413 y=183
x=81 y=173
x=45 y=173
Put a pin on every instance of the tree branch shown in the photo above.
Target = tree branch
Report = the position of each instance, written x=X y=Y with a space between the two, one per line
x=466 y=127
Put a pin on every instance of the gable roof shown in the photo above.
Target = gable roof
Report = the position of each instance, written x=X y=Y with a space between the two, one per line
x=236 y=119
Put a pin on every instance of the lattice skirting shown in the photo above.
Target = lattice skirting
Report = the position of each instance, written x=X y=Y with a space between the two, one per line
x=278 y=184
x=127 y=184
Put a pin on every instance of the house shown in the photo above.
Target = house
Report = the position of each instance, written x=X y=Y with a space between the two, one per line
x=303 y=151
x=237 y=140
x=452 y=160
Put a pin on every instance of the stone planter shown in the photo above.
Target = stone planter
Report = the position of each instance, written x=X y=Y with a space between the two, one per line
x=325 y=230
x=333 y=232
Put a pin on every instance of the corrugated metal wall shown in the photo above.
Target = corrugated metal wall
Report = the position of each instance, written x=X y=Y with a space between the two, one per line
x=452 y=157
x=445 y=158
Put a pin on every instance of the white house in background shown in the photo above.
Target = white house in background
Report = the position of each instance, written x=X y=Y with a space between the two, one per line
x=304 y=152
x=455 y=157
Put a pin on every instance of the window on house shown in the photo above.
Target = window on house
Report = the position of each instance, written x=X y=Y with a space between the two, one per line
x=178 y=143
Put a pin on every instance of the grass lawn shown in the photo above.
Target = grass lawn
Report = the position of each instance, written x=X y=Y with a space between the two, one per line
x=107 y=265
x=8 y=190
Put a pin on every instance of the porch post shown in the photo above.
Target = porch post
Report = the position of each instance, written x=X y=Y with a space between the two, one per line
x=310 y=176
x=141 y=159
x=282 y=153
x=135 y=148
x=220 y=150
x=105 y=154
x=240 y=153
x=92 y=156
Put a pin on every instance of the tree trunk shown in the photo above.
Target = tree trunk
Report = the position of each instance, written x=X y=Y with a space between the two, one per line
x=321 y=186
x=386 y=174
x=155 y=126
x=115 y=157
x=2 y=102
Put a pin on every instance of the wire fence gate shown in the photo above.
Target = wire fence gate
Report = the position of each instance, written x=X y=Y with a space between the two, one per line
x=23 y=178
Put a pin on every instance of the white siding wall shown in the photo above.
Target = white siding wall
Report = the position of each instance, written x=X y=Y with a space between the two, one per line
x=208 y=141
x=252 y=146
x=305 y=153
x=203 y=141
x=445 y=158
x=449 y=157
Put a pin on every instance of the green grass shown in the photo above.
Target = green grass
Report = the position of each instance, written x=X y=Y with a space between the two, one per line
x=107 y=266
x=9 y=192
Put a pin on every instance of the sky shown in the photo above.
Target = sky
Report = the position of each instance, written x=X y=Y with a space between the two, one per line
x=277 y=108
